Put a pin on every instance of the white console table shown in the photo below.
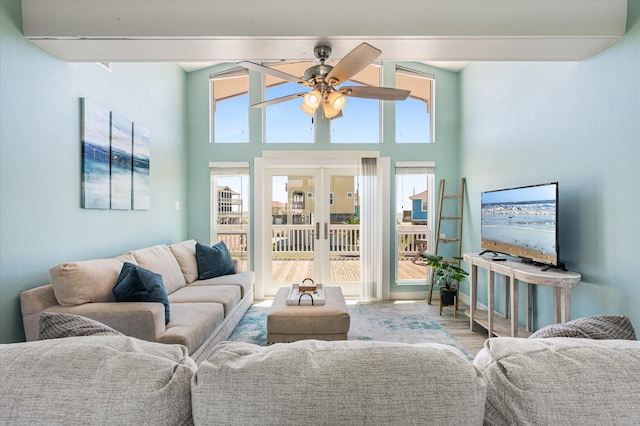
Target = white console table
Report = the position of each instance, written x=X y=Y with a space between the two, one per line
x=512 y=272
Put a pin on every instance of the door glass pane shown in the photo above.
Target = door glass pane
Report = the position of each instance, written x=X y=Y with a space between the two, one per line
x=292 y=228
x=344 y=230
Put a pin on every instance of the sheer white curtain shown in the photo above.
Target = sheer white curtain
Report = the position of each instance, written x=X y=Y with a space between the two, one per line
x=370 y=233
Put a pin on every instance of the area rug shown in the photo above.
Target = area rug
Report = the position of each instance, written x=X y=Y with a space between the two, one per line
x=380 y=321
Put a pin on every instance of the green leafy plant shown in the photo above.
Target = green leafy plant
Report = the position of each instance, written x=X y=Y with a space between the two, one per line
x=445 y=271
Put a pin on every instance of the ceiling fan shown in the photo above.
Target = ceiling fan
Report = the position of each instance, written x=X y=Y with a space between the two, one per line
x=324 y=78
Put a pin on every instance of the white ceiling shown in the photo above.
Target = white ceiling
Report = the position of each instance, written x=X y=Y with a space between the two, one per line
x=445 y=33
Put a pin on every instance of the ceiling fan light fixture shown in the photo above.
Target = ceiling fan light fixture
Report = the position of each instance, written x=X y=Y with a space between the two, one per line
x=306 y=109
x=337 y=100
x=329 y=111
x=312 y=99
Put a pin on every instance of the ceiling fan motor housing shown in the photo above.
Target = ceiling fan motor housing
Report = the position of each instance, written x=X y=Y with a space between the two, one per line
x=317 y=73
x=322 y=53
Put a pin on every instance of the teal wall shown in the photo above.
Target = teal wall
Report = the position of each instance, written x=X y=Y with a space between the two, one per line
x=577 y=123
x=41 y=222
x=200 y=152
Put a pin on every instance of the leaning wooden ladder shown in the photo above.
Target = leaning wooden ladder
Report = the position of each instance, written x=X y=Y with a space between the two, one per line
x=457 y=239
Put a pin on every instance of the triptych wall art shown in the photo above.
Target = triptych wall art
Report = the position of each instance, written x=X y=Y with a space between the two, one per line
x=115 y=160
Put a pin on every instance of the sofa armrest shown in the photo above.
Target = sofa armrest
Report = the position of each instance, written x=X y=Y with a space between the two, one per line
x=144 y=320
x=33 y=302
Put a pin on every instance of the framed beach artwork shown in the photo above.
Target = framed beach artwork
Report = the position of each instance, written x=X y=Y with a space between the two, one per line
x=115 y=160
x=95 y=156
x=121 y=162
x=141 y=156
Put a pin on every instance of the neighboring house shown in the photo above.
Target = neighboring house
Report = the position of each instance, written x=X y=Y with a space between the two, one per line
x=419 y=208
x=230 y=207
x=279 y=213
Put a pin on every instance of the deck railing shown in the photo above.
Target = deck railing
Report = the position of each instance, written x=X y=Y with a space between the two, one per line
x=411 y=240
x=344 y=240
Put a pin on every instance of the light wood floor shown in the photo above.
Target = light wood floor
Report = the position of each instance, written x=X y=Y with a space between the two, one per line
x=458 y=327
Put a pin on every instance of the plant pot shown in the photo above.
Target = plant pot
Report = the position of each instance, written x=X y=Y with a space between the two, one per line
x=447 y=297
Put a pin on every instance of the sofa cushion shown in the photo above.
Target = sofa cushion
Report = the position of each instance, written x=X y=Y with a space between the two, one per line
x=95 y=379
x=227 y=295
x=213 y=261
x=244 y=280
x=88 y=281
x=185 y=254
x=136 y=284
x=192 y=324
x=555 y=380
x=160 y=259
x=593 y=327
x=54 y=325
x=340 y=382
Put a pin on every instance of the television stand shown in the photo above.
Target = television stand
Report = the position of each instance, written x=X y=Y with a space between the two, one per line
x=512 y=272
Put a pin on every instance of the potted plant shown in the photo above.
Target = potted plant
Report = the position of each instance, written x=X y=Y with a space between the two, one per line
x=445 y=272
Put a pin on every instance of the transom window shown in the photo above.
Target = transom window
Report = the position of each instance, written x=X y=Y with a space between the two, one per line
x=414 y=118
x=360 y=121
x=286 y=122
x=230 y=106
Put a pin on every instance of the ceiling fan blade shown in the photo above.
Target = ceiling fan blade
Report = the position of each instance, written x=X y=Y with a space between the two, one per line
x=353 y=63
x=273 y=72
x=277 y=100
x=382 y=93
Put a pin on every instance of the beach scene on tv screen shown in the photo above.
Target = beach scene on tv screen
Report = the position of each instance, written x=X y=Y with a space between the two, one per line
x=521 y=222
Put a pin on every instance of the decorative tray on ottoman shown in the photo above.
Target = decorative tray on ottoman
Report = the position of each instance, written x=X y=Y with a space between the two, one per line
x=305 y=295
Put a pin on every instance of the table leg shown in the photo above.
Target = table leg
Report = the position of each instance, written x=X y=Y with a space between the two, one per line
x=514 y=307
x=490 y=302
x=527 y=306
x=565 y=303
x=557 y=305
x=473 y=295
x=505 y=301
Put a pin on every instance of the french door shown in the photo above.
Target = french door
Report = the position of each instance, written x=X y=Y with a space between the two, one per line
x=313 y=229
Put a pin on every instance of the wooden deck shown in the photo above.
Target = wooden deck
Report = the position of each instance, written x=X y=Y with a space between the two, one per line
x=342 y=270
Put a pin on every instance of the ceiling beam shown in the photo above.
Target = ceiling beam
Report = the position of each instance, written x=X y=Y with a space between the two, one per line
x=233 y=30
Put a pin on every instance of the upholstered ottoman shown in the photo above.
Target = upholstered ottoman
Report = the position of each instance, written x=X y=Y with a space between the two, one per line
x=330 y=321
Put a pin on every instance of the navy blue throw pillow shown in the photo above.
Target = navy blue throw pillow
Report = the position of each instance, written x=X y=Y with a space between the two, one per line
x=213 y=261
x=136 y=284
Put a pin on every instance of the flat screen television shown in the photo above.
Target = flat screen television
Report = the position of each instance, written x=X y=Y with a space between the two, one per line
x=522 y=222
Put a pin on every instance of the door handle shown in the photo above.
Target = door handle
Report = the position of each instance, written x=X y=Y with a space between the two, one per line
x=326 y=231
x=317 y=230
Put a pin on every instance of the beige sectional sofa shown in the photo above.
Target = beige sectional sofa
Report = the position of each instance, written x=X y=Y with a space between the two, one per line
x=203 y=312
x=123 y=380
